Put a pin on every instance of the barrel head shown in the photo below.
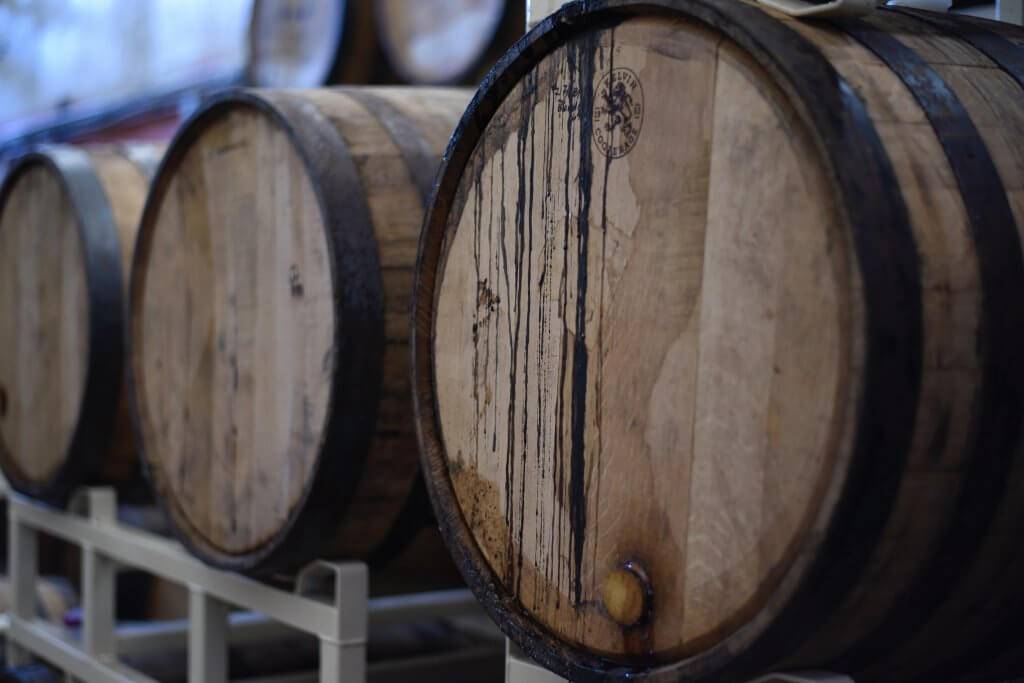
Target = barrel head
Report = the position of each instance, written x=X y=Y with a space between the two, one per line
x=234 y=327
x=641 y=332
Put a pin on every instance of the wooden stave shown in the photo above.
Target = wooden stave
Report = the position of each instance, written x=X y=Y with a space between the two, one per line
x=556 y=654
x=1000 y=656
x=997 y=246
x=360 y=301
x=964 y=584
x=509 y=29
x=100 y=451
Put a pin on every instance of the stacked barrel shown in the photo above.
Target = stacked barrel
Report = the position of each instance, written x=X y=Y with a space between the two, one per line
x=717 y=343
x=712 y=362
x=68 y=218
x=307 y=43
x=269 y=323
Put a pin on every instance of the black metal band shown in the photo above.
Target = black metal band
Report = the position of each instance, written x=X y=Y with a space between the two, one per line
x=415 y=515
x=422 y=164
x=419 y=159
x=1006 y=55
x=1001 y=336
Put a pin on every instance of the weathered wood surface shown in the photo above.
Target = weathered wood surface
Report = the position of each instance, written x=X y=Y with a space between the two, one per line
x=447 y=41
x=714 y=343
x=68 y=218
x=272 y=391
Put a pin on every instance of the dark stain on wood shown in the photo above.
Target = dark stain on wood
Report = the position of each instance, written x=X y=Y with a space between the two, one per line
x=583 y=53
x=295 y=282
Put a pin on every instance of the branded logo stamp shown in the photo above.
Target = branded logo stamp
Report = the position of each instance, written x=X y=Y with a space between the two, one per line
x=618 y=112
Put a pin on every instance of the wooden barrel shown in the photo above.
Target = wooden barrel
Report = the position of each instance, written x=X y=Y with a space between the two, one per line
x=68 y=217
x=437 y=42
x=717 y=342
x=269 y=323
x=309 y=43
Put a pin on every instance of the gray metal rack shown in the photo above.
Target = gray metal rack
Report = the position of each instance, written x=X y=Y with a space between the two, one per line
x=339 y=621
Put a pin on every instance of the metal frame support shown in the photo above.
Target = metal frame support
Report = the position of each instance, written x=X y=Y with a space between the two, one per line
x=520 y=669
x=1011 y=11
x=345 y=654
x=23 y=561
x=340 y=619
x=207 y=638
x=99 y=579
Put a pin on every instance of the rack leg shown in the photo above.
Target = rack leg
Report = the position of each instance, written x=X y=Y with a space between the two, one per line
x=342 y=662
x=207 y=638
x=98 y=581
x=23 y=556
x=343 y=652
x=99 y=576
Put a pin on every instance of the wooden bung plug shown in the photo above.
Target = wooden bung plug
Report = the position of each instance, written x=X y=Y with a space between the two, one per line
x=626 y=595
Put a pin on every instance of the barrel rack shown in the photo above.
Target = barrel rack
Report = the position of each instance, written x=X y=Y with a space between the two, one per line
x=340 y=620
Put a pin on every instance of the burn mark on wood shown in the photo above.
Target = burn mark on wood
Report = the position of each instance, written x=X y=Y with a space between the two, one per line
x=227 y=149
x=295 y=282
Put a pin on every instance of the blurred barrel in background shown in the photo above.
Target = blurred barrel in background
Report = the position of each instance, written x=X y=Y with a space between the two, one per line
x=447 y=41
x=68 y=218
x=308 y=43
x=718 y=343
x=269 y=320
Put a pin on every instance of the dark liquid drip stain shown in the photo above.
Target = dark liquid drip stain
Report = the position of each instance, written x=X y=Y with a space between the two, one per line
x=543 y=397
x=563 y=296
x=477 y=225
x=524 y=214
x=594 y=476
x=577 y=489
x=560 y=467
